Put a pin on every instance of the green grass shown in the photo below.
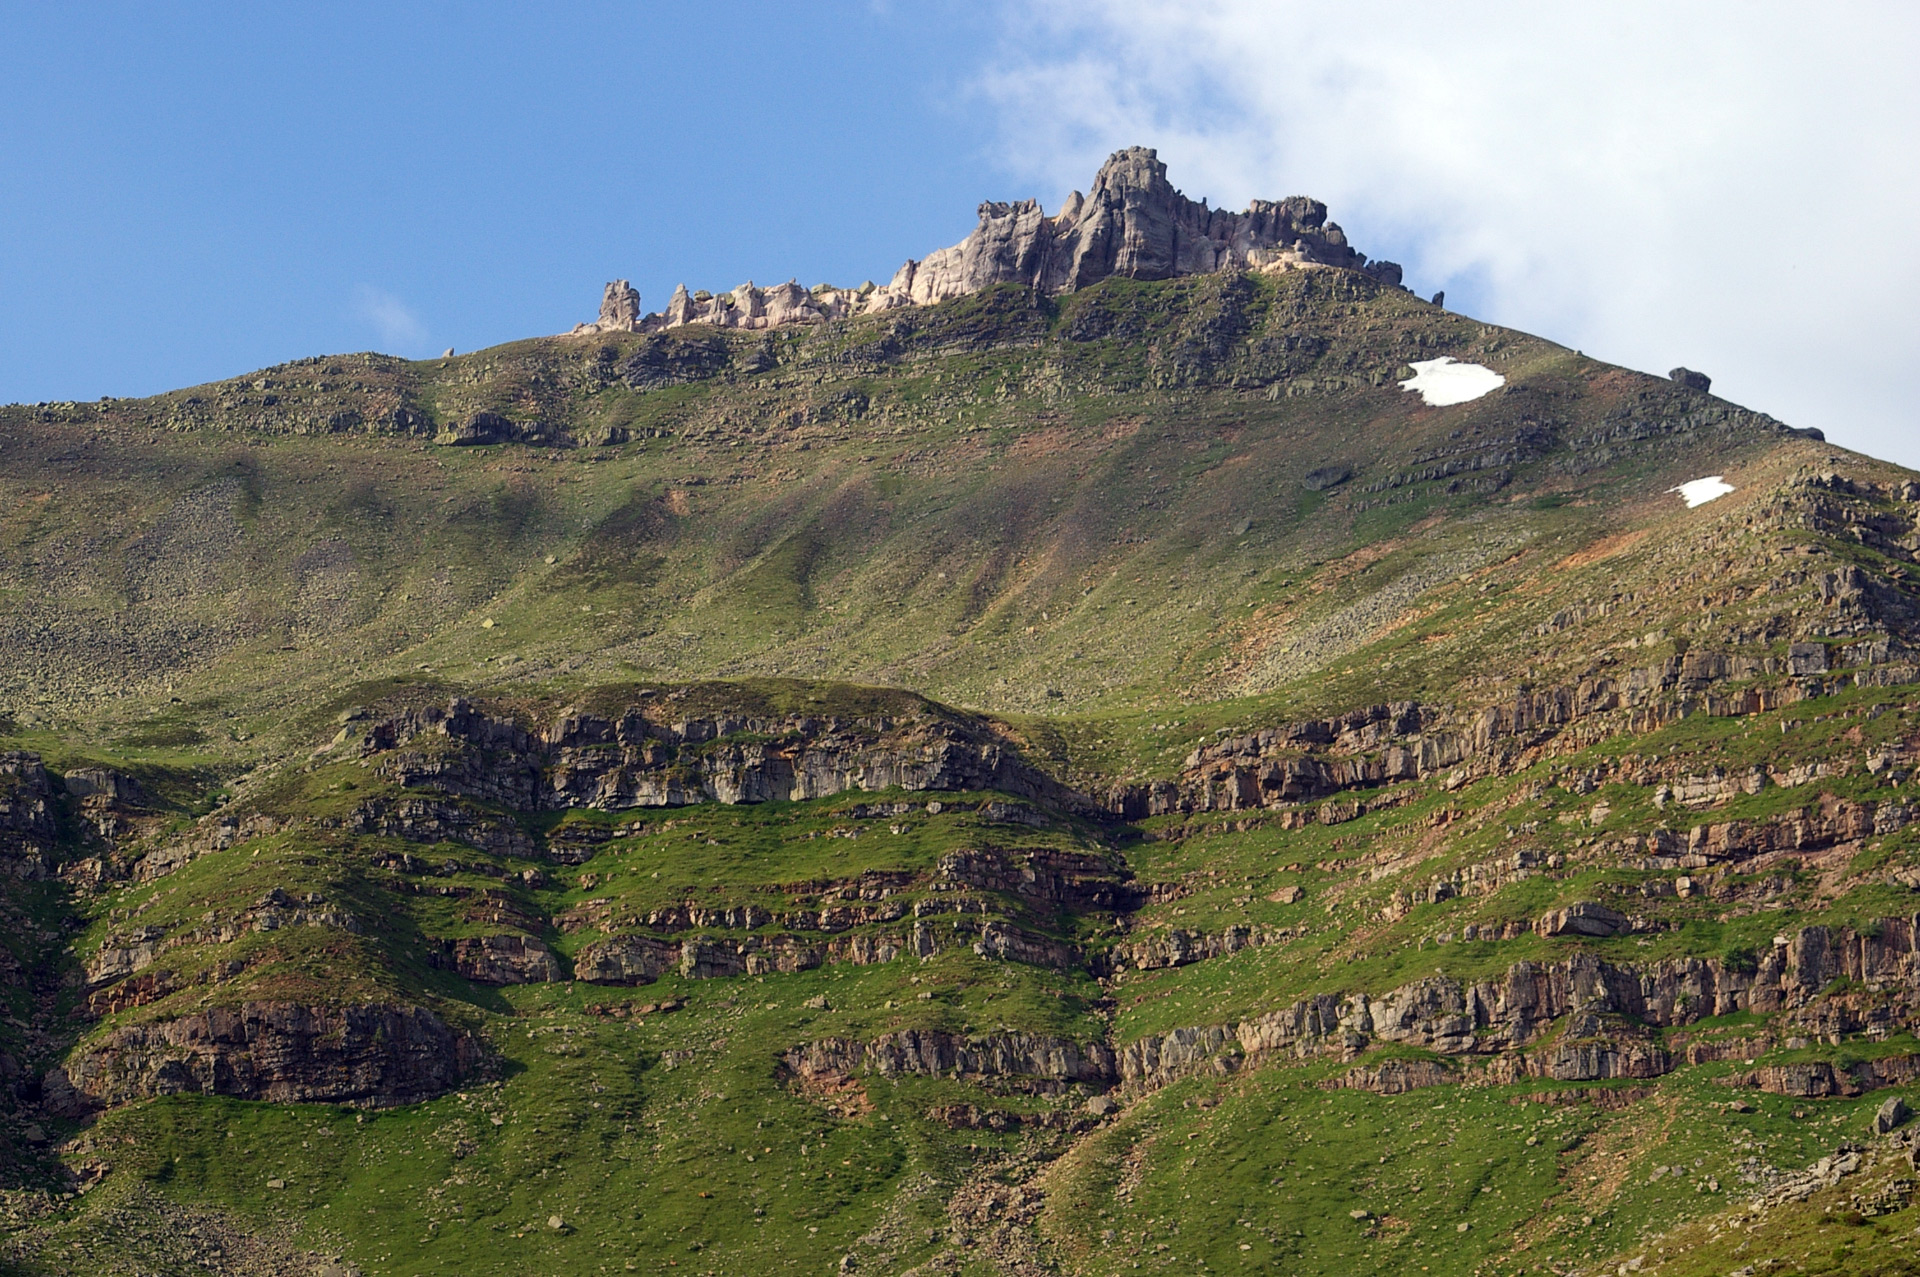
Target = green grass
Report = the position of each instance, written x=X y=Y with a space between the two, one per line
x=1079 y=524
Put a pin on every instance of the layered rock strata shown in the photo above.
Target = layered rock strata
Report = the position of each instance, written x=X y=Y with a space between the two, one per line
x=1605 y=1004
x=375 y=1056
x=1028 y=1056
x=647 y=758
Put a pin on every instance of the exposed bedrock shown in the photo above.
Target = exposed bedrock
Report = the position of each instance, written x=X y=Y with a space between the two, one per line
x=1518 y=1010
x=931 y=1053
x=506 y=959
x=634 y=960
x=373 y=1055
x=636 y=760
x=1819 y=1079
x=1132 y=224
x=27 y=822
x=1404 y=741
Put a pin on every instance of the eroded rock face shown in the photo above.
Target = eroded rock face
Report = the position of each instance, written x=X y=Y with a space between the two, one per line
x=619 y=308
x=506 y=959
x=932 y=1053
x=484 y=428
x=641 y=760
x=1133 y=224
x=369 y=1055
x=1498 y=1018
x=1820 y=1079
x=27 y=824
x=626 y=960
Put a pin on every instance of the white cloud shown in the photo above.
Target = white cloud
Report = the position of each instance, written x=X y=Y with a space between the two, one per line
x=400 y=331
x=1724 y=185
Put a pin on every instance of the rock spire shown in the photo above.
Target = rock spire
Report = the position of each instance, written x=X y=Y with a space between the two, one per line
x=1132 y=223
x=619 y=310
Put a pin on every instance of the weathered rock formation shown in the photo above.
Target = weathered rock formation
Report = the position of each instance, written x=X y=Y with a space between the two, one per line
x=1819 y=1079
x=931 y=1053
x=506 y=959
x=619 y=309
x=27 y=824
x=645 y=757
x=1403 y=741
x=1605 y=1004
x=1133 y=224
x=369 y=1055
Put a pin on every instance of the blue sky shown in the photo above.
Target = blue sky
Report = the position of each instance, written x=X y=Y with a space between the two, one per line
x=195 y=190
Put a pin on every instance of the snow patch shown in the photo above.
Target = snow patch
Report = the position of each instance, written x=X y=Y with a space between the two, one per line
x=1442 y=382
x=1700 y=491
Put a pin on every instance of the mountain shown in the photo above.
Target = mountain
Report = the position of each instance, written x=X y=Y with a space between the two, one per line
x=1140 y=745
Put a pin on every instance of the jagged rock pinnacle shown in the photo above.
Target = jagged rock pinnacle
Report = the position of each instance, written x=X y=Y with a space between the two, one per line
x=1132 y=223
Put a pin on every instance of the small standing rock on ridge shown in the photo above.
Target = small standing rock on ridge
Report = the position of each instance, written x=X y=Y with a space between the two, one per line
x=1440 y=298
x=1692 y=380
x=619 y=308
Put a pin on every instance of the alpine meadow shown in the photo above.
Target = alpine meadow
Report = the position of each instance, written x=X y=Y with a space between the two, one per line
x=1137 y=745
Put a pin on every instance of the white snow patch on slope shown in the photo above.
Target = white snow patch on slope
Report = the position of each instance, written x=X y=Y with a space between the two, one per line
x=1700 y=491
x=1442 y=381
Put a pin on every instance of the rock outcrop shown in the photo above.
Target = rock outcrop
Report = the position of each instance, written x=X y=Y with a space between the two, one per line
x=1603 y=1004
x=506 y=959
x=930 y=1053
x=619 y=309
x=644 y=757
x=377 y=1056
x=1133 y=223
x=27 y=823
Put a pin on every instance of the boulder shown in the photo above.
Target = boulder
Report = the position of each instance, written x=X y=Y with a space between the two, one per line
x=1692 y=380
x=1891 y=1115
x=1321 y=478
x=1583 y=918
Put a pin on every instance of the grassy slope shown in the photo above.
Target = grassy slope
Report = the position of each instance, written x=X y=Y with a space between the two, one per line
x=1105 y=540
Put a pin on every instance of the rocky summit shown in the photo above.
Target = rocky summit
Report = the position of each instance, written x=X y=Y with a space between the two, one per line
x=1134 y=225
x=1141 y=745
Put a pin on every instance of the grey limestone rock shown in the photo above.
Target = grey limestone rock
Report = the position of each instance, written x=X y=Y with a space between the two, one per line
x=1692 y=380
x=1583 y=918
x=619 y=308
x=1133 y=223
x=1891 y=1115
